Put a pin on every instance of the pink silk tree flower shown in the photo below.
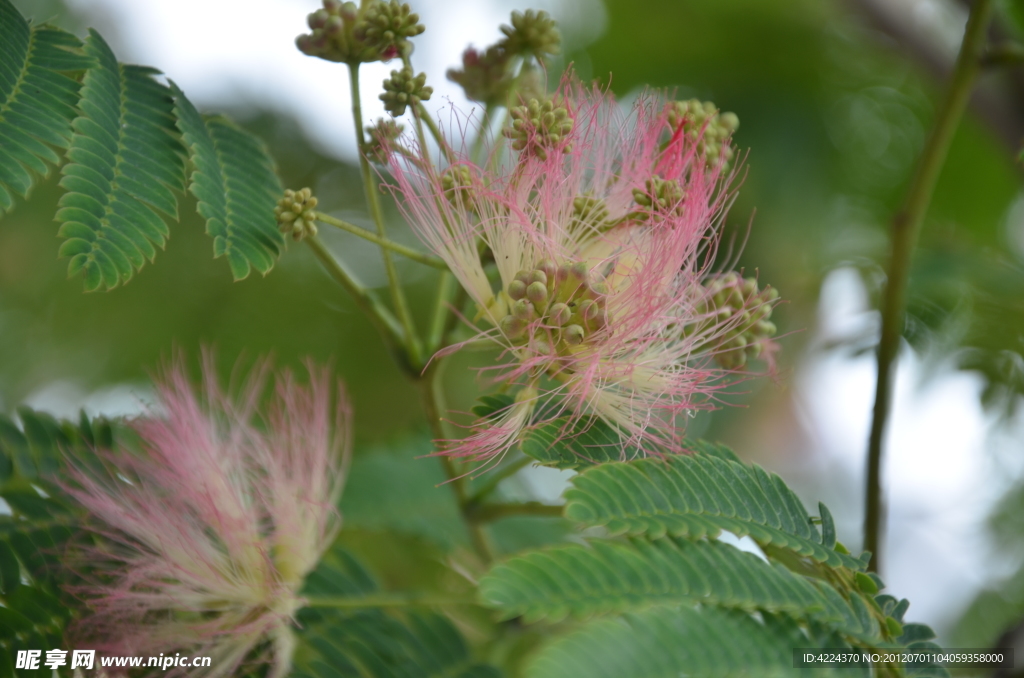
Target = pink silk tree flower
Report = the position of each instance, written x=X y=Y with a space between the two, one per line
x=206 y=536
x=602 y=226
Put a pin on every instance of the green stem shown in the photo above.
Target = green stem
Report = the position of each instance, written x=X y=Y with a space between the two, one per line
x=906 y=229
x=481 y=137
x=373 y=202
x=406 y=252
x=485 y=513
x=433 y=403
x=497 y=476
x=382 y=319
x=385 y=600
x=439 y=322
x=422 y=113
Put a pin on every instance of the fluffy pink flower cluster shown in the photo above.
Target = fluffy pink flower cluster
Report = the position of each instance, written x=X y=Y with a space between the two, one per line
x=602 y=227
x=207 y=536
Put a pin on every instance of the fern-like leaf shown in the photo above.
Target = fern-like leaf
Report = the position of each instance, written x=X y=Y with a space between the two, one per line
x=33 y=535
x=37 y=100
x=125 y=165
x=234 y=181
x=370 y=643
x=563 y=443
x=697 y=495
x=670 y=642
x=611 y=577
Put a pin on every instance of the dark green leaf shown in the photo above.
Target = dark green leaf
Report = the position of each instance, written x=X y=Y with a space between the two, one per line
x=234 y=180
x=697 y=495
x=126 y=164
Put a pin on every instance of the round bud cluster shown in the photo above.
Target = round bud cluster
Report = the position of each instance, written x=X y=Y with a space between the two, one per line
x=484 y=75
x=383 y=136
x=532 y=34
x=731 y=297
x=566 y=299
x=589 y=212
x=403 y=89
x=713 y=143
x=389 y=25
x=296 y=213
x=660 y=196
x=538 y=126
x=339 y=34
x=457 y=184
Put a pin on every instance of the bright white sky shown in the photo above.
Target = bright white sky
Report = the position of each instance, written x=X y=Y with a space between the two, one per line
x=941 y=479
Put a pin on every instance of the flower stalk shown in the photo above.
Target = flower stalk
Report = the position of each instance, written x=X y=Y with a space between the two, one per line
x=373 y=202
x=906 y=229
x=402 y=250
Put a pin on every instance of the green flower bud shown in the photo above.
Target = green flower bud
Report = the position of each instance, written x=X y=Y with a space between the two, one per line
x=559 y=314
x=523 y=309
x=485 y=76
x=718 y=128
x=296 y=213
x=537 y=127
x=457 y=184
x=387 y=26
x=660 y=196
x=548 y=267
x=383 y=137
x=531 y=34
x=512 y=327
x=573 y=335
x=588 y=211
x=517 y=290
x=737 y=304
x=580 y=272
x=345 y=32
x=588 y=310
x=538 y=275
x=537 y=292
x=404 y=89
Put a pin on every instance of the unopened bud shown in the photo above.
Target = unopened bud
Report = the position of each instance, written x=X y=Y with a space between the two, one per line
x=512 y=327
x=531 y=34
x=296 y=213
x=537 y=292
x=523 y=309
x=547 y=266
x=559 y=314
x=537 y=127
x=573 y=335
x=404 y=89
x=517 y=290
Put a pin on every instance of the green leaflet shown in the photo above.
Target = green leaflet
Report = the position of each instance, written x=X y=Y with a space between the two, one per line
x=562 y=444
x=370 y=643
x=609 y=576
x=123 y=134
x=670 y=642
x=697 y=495
x=34 y=610
x=37 y=100
x=236 y=186
x=126 y=164
x=673 y=600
